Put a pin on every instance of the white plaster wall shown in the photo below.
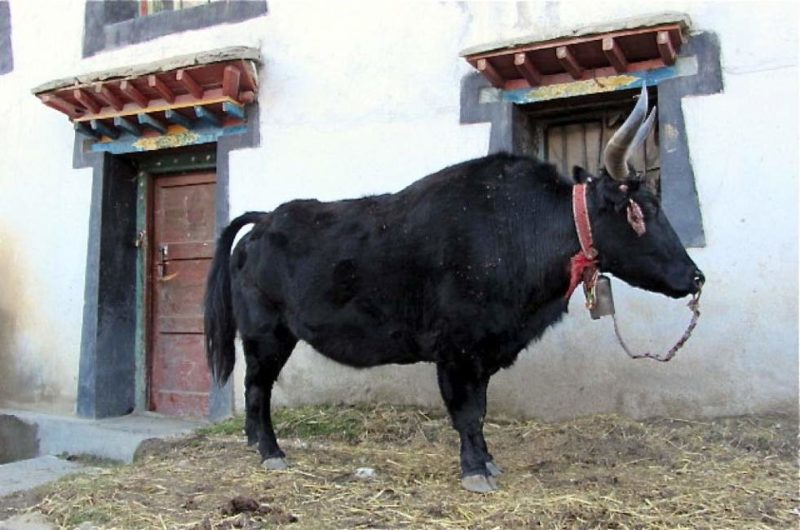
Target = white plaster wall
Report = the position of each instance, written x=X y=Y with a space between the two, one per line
x=44 y=212
x=363 y=97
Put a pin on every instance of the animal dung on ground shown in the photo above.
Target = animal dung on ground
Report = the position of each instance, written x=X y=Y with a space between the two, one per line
x=240 y=504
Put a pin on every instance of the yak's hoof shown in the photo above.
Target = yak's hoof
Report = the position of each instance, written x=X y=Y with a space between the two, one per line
x=276 y=463
x=479 y=483
x=493 y=469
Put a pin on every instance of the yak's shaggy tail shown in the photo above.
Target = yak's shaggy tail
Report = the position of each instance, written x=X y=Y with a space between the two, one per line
x=218 y=321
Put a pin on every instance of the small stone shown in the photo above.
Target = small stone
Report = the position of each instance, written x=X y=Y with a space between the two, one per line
x=365 y=473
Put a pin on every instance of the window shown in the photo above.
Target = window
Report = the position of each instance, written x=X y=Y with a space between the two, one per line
x=561 y=98
x=6 y=58
x=113 y=24
x=568 y=138
x=151 y=7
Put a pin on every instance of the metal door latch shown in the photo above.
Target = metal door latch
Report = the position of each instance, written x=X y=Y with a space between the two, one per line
x=162 y=265
x=140 y=239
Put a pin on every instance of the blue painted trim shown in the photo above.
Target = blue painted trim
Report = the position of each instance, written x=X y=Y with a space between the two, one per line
x=207 y=116
x=683 y=67
x=127 y=126
x=128 y=143
x=233 y=109
x=104 y=129
x=149 y=121
x=177 y=118
x=82 y=128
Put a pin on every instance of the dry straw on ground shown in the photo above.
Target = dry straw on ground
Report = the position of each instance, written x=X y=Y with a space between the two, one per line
x=595 y=472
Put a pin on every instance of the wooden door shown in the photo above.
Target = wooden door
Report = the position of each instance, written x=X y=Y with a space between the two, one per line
x=183 y=228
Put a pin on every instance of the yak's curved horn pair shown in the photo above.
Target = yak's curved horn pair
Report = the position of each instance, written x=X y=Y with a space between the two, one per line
x=628 y=138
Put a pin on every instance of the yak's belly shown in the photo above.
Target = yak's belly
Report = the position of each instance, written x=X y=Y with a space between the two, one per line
x=362 y=346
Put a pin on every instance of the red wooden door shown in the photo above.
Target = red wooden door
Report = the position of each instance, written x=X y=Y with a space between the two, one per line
x=183 y=224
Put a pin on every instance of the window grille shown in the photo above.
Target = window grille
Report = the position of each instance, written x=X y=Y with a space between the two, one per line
x=578 y=140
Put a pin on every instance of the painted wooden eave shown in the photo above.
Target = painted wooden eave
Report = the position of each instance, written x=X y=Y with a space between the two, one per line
x=230 y=53
x=177 y=101
x=618 y=48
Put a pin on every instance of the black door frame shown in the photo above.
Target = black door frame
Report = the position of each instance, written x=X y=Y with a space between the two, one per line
x=107 y=375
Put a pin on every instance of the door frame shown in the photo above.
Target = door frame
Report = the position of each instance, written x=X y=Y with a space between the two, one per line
x=107 y=372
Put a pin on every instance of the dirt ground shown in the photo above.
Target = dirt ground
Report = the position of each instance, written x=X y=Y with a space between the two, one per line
x=594 y=472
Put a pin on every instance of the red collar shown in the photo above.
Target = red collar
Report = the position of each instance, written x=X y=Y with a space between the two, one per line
x=583 y=265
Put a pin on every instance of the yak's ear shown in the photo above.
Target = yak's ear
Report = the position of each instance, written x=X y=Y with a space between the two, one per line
x=580 y=175
x=617 y=194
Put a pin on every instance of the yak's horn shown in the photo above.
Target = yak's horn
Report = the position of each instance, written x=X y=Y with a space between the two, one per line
x=615 y=154
x=641 y=137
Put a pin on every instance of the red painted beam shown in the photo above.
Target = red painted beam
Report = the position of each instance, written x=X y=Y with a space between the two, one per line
x=55 y=102
x=184 y=78
x=568 y=61
x=87 y=101
x=490 y=73
x=665 y=47
x=249 y=75
x=231 y=77
x=127 y=88
x=104 y=94
x=527 y=69
x=248 y=96
x=615 y=55
x=159 y=86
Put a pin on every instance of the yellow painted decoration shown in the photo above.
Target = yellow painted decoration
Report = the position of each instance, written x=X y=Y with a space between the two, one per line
x=177 y=136
x=596 y=85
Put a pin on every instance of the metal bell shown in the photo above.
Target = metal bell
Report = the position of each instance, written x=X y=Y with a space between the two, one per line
x=603 y=299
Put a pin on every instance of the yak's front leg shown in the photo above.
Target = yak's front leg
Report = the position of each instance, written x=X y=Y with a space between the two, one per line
x=252 y=403
x=464 y=394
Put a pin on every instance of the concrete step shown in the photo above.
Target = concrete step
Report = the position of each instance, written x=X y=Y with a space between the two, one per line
x=112 y=438
x=27 y=474
x=28 y=521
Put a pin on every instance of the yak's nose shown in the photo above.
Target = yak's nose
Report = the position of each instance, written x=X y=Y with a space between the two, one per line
x=699 y=278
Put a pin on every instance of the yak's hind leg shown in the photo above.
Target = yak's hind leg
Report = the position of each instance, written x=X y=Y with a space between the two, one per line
x=464 y=394
x=267 y=345
x=265 y=357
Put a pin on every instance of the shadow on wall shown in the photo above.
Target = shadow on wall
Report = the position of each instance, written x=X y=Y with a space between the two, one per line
x=19 y=383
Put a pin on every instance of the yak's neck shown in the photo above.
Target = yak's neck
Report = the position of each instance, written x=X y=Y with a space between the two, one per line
x=554 y=243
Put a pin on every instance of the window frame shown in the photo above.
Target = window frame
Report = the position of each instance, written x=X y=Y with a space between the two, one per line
x=6 y=53
x=112 y=25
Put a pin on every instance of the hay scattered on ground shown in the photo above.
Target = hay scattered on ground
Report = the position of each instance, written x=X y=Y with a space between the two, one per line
x=595 y=472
